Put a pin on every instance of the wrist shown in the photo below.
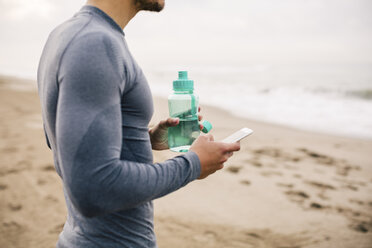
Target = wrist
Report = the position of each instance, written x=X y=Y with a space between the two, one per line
x=197 y=168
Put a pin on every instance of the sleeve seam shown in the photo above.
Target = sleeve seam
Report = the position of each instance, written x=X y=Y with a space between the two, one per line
x=67 y=47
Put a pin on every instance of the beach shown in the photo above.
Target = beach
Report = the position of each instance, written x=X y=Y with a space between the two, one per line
x=285 y=188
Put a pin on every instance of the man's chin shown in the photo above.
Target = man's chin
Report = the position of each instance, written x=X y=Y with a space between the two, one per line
x=150 y=5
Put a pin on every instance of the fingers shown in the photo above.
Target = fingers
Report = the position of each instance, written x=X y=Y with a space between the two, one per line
x=234 y=147
x=201 y=126
x=209 y=137
x=231 y=147
x=170 y=122
x=200 y=117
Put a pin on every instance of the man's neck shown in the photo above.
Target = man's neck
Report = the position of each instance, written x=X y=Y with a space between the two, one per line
x=121 y=11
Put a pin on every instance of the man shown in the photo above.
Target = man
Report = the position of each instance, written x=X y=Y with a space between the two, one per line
x=96 y=107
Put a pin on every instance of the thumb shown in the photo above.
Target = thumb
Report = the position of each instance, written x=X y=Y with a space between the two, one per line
x=233 y=147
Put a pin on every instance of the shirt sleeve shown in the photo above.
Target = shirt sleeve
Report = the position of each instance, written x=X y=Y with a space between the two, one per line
x=46 y=138
x=88 y=135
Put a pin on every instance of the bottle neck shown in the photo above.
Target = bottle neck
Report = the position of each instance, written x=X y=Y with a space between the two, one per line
x=183 y=91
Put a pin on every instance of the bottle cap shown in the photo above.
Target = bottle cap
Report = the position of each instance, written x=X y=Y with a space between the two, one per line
x=183 y=83
x=207 y=126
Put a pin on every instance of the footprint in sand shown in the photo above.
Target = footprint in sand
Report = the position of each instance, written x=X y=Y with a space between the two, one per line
x=362 y=226
x=9 y=149
x=285 y=185
x=320 y=185
x=350 y=184
x=14 y=206
x=316 y=205
x=290 y=167
x=254 y=235
x=296 y=159
x=207 y=237
x=3 y=186
x=245 y=182
x=271 y=173
x=343 y=168
x=297 y=193
x=41 y=181
x=266 y=238
x=356 y=201
x=297 y=196
x=51 y=198
x=255 y=163
x=234 y=169
x=276 y=153
x=321 y=158
x=268 y=151
x=12 y=226
x=297 y=175
x=323 y=196
x=48 y=167
x=20 y=166
x=358 y=221
x=351 y=187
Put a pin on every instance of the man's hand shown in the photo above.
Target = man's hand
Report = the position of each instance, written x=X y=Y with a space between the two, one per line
x=159 y=133
x=212 y=155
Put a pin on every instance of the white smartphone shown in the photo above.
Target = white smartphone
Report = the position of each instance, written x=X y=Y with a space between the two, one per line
x=239 y=135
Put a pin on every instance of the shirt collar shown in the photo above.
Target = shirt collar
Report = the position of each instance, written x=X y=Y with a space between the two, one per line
x=106 y=17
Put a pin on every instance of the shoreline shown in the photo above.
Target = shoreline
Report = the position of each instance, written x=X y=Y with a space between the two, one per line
x=273 y=124
x=19 y=83
x=286 y=187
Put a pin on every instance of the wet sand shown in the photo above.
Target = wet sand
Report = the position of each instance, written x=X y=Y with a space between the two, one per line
x=285 y=188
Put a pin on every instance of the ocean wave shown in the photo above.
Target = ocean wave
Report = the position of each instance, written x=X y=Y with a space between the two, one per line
x=363 y=94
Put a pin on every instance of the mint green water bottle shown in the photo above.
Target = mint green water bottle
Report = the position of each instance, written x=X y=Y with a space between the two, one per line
x=183 y=104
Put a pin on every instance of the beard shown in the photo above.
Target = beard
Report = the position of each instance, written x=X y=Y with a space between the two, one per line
x=149 y=5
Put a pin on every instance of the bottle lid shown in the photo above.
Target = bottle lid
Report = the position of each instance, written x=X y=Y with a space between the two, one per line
x=183 y=83
x=207 y=126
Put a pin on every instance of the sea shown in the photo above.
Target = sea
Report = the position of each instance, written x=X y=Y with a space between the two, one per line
x=326 y=98
x=332 y=99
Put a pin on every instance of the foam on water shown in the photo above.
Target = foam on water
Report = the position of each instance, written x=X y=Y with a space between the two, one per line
x=333 y=99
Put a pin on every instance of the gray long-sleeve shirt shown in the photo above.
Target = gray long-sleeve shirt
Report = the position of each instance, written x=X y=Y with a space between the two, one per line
x=96 y=107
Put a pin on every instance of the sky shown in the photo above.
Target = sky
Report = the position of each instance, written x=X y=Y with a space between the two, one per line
x=206 y=32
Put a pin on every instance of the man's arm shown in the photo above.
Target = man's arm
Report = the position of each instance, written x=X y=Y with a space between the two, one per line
x=88 y=134
x=46 y=138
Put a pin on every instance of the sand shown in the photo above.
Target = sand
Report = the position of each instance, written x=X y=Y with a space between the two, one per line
x=285 y=188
